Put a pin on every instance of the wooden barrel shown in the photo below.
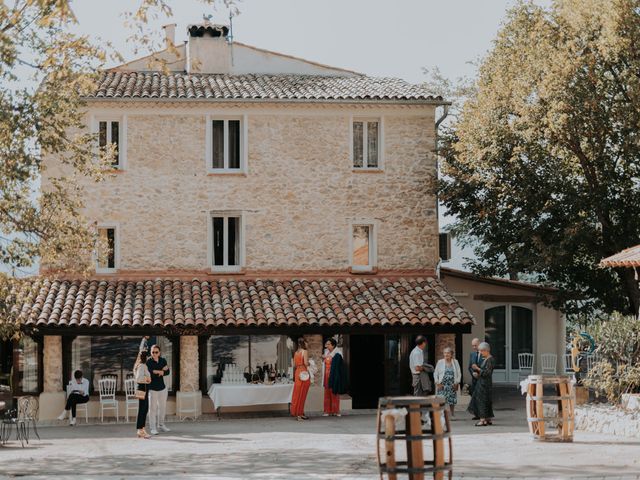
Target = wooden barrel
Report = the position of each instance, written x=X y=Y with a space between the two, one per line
x=414 y=438
x=551 y=427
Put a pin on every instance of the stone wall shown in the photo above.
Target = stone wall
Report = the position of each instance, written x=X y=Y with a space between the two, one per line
x=189 y=364
x=298 y=197
x=444 y=340
x=603 y=418
x=52 y=360
x=315 y=348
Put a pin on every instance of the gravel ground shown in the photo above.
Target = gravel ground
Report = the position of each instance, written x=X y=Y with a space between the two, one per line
x=322 y=448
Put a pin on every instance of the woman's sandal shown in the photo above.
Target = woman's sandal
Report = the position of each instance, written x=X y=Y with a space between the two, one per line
x=304 y=417
x=481 y=424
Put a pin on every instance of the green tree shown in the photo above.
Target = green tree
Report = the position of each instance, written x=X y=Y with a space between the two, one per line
x=541 y=167
x=45 y=70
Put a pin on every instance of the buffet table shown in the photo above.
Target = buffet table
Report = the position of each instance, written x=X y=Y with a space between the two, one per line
x=250 y=394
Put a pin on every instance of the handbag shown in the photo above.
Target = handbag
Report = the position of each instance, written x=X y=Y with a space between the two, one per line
x=140 y=394
x=304 y=375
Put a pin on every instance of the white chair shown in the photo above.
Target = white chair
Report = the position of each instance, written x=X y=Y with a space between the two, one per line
x=80 y=406
x=568 y=364
x=525 y=365
x=187 y=405
x=549 y=363
x=107 y=390
x=130 y=394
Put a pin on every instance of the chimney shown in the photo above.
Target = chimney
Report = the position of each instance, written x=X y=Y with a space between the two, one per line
x=208 y=49
x=170 y=34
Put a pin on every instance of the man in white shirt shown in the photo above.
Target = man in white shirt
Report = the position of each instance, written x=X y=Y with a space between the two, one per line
x=420 y=369
x=77 y=392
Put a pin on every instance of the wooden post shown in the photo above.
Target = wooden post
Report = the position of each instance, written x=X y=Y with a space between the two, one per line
x=531 y=410
x=390 y=444
x=415 y=455
x=540 y=407
x=438 y=443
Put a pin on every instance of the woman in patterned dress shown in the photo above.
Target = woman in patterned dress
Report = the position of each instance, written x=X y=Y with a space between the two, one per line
x=302 y=380
x=481 y=404
x=447 y=376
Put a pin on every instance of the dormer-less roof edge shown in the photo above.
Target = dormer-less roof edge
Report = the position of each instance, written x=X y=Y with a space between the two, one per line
x=434 y=101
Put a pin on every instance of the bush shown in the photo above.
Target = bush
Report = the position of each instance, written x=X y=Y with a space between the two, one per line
x=617 y=370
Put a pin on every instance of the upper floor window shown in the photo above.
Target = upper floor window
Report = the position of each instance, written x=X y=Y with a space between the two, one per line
x=366 y=148
x=226 y=145
x=107 y=249
x=227 y=243
x=111 y=132
x=363 y=246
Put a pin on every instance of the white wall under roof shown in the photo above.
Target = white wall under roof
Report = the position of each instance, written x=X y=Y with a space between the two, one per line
x=240 y=59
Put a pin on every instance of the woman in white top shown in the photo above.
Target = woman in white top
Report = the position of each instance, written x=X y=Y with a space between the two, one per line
x=143 y=378
x=447 y=376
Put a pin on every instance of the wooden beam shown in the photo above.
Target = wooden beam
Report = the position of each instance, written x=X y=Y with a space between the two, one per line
x=509 y=298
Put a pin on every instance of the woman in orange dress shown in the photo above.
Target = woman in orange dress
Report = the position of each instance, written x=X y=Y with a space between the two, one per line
x=302 y=380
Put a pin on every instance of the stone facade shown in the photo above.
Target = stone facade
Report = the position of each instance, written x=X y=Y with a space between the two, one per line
x=297 y=197
x=444 y=340
x=52 y=359
x=189 y=364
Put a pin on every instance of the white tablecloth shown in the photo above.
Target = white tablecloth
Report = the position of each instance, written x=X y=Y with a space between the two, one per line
x=250 y=394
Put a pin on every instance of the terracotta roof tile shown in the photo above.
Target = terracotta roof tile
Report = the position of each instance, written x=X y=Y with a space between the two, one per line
x=242 y=303
x=156 y=85
x=629 y=257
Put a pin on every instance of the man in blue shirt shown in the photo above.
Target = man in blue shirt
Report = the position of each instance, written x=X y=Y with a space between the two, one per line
x=158 y=368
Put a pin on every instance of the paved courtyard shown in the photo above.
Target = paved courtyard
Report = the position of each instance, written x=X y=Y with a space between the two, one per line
x=322 y=448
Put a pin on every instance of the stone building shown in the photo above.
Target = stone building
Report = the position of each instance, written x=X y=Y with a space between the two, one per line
x=255 y=197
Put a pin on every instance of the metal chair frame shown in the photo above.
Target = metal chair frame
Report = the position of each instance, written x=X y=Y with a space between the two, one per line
x=526 y=364
x=130 y=395
x=549 y=362
x=108 y=401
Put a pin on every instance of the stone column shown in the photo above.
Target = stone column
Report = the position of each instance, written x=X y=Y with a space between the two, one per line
x=189 y=397
x=52 y=397
x=315 y=398
x=444 y=340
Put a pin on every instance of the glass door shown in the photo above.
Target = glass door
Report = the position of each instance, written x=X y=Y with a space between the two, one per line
x=509 y=331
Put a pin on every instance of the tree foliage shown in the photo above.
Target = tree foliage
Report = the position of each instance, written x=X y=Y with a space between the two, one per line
x=542 y=165
x=618 y=351
x=45 y=71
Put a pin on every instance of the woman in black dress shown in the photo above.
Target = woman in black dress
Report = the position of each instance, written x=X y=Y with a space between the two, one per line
x=481 y=405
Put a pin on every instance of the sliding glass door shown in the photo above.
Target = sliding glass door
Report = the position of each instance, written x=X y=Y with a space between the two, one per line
x=509 y=330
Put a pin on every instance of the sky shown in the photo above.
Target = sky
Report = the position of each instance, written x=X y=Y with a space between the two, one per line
x=398 y=38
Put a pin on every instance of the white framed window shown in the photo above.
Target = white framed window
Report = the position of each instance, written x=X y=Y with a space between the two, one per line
x=226 y=144
x=226 y=241
x=363 y=245
x=366 y=143
x=108 y=248
x=111 y=130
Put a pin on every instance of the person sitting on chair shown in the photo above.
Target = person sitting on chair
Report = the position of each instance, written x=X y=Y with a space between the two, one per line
x=78 y=393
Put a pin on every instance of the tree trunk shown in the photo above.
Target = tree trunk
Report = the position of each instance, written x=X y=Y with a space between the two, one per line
x=632 y=288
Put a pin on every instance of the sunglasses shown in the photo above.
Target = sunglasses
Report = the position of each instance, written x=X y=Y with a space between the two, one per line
x=154 y=352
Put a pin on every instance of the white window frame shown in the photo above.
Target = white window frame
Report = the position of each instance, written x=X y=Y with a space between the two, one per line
x=226 y=215
x=243 y=144
x=122 y=133
x=365 y=150
x=116 y=245
x=373 y=245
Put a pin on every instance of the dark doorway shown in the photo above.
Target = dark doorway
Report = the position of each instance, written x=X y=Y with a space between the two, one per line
x=366 y=372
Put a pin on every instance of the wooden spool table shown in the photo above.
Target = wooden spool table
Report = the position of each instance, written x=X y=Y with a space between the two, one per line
x=400 y=419
x=563 y=400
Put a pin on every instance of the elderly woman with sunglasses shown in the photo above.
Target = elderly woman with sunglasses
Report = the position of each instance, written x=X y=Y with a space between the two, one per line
x=157 y=391
x=481 y=404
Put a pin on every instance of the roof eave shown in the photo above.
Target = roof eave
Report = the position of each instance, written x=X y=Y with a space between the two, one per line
x=434 y=101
